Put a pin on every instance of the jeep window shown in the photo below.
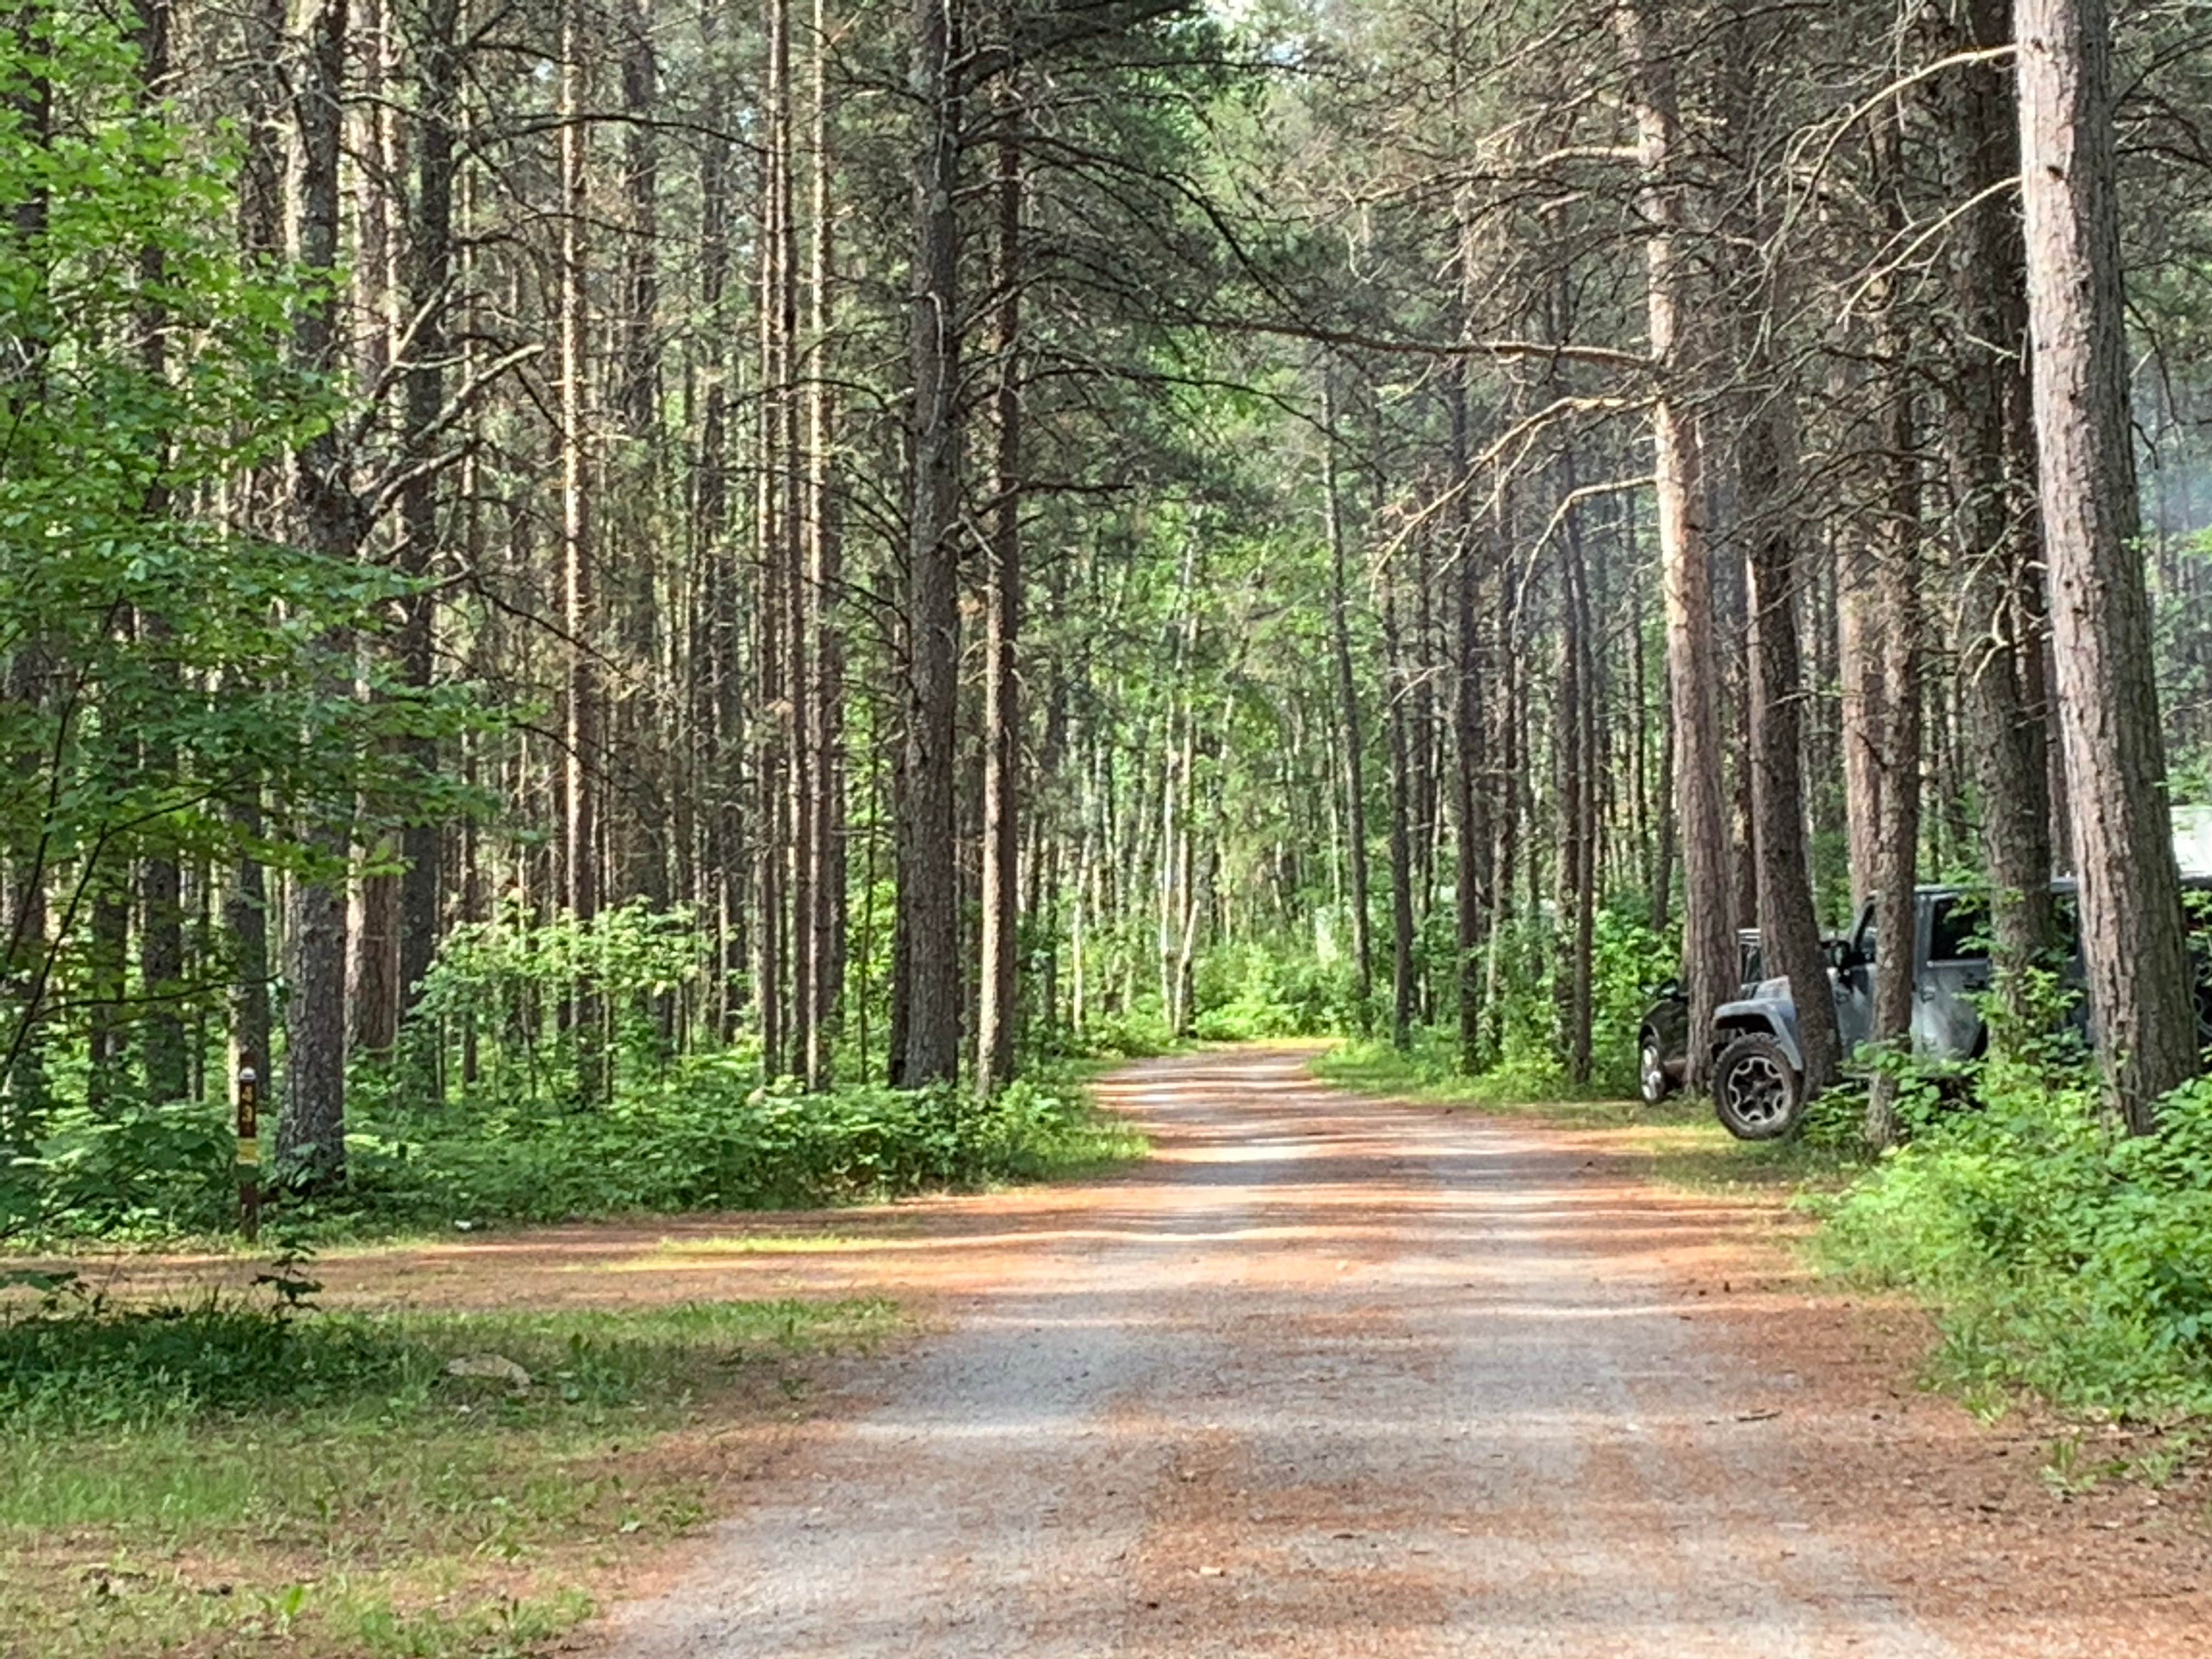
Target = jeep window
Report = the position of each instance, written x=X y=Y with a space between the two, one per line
x=1957 y=931
x=1862 y=942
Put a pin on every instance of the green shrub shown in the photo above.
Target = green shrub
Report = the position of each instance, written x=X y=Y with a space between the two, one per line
x=708 y=1135
x=2066 y=1256
x=1247 y=991
x=1129 y=1034
x=130 y=1170
x=712 y=1136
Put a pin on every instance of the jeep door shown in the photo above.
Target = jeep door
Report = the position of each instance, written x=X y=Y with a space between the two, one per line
x=1954 y=967
x=1855 y=986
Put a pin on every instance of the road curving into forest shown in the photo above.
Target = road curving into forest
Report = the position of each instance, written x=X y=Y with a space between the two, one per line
x=1325 y=1377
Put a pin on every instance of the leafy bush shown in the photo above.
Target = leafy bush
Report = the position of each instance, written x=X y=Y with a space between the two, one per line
x=133 y=1169
x=2065 y=1256
x=504 y=982
x=1247 y=991
x=1131 y=1034
x=712 y=1138
x=1526 y=1059
x=709 y=1136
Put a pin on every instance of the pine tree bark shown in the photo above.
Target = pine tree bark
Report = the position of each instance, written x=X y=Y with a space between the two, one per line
x=1002 y=604
x=1470 y=879
x=1897 y=607
x=1347 y=692
x=1708 y=955
x=1897 y=865
x=787 y=674
x=161 y=880
x=1790 y=932
x=310 y=1126
x=928 y=998
x=429 y=268
x=825 y=576
x=1992 y=445
x=1578 y=799
x=2132 y=939
x=579 y=597
x=1401 y=844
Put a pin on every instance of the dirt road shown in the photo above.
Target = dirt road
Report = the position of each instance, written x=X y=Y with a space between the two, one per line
x=1332 y=1378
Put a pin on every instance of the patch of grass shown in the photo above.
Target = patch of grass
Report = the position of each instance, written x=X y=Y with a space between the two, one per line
x=1428 y=1072
x=182 y=1479
x=1678 y=1142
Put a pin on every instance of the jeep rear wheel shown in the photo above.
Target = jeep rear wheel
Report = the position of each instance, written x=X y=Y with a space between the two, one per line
x=1756 y=1089
x=1652 y=1082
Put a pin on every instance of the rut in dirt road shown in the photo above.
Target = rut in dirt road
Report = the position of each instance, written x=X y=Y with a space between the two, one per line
x=1324 y=1378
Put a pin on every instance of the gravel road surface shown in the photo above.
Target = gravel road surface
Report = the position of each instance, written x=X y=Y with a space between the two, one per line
x=1324 y=1378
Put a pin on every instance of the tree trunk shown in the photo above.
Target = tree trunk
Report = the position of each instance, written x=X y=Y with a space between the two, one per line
x=929 y=932
x=1897 y=600
x=310 y=1126
x=1470 y=879
x=1898 y=576
x=580 y=608
x=826 y=574
x=2132 y=940
x=1347 y=692
x=1991 y=443
x=1790 y=931
x=1401 y=844
x=1002 y=600
x=1578 y=799
x=1708 y=953
x=429 y=274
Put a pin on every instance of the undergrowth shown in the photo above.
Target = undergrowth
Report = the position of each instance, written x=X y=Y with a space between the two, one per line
x=707 y=1137
x=192 y=1476
x=2064 y=1256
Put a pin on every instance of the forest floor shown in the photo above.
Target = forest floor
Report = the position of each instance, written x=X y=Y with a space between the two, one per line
x=1326 y=1376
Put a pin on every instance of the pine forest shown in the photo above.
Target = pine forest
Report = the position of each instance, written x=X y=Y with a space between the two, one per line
x=570 y=564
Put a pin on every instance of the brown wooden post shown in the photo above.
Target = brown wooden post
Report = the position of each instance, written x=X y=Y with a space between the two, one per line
x=249 y=1152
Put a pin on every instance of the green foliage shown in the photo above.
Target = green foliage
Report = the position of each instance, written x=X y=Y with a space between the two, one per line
x=1248 y=991
x=1429 y=1068
x=176 y=690
x=503 y=983
x=2066 y=1257
x=131 y=1169
x=707 y=1135
x=700 y=1130
x=1526 y=1051
x=713 y=1136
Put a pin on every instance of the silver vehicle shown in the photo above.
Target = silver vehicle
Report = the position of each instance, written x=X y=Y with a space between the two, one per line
x=1759 y=1073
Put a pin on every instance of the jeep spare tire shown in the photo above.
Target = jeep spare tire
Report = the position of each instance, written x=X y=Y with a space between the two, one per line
x=1652 y=1083
x=1756 y=1089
